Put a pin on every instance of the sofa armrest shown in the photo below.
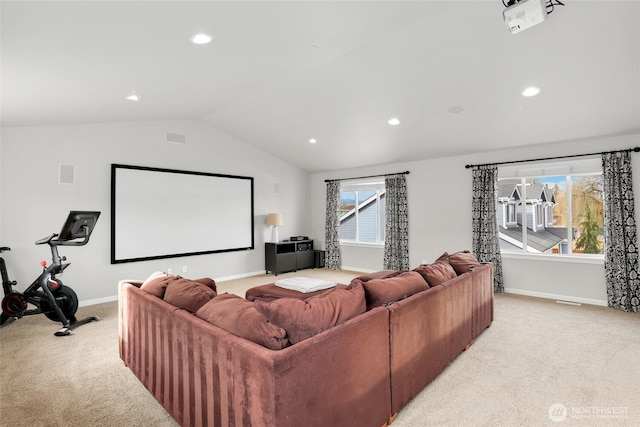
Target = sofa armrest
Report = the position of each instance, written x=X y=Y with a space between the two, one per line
x=482 y=297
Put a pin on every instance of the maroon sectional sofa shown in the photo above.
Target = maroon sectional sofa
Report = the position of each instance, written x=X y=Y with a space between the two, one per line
x=360 y=372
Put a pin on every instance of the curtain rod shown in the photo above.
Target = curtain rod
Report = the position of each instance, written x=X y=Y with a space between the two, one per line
x=364 y=177
x=634 y=149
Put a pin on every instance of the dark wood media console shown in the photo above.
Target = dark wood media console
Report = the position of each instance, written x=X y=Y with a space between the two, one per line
x=288 y=256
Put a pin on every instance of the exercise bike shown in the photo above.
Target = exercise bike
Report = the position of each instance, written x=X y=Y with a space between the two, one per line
x=47 y=293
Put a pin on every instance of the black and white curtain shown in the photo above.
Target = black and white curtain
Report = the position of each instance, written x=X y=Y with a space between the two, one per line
x=396 y=239
x=621 y=243
x=485 y=245
x=333 y=256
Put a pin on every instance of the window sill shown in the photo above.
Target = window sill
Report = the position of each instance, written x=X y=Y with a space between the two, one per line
x=575 y=259
x=363 y=245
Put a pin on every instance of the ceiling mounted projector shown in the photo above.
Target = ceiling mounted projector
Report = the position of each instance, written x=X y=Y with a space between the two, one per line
x=523 y=14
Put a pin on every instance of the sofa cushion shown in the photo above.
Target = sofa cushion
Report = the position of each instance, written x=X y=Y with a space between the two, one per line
x=384 y=291
x=303 y=319
x=442 y=258
x=209 y=282
x=382 y=274
x=437 y=273
x=462 y=261
x=240 y=317
x=156 y=283
x=187 y=294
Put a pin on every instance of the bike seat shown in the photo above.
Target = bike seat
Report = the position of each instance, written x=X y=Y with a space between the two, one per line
x=4 y=249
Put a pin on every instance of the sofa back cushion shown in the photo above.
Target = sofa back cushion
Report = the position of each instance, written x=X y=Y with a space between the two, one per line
x=382 y=274
x=156 y=284
x=384 y=291
x=303 y=319
x=240 y=317
x=437 y=273
x=188 y=294
x=208 y=282
x=462 y=261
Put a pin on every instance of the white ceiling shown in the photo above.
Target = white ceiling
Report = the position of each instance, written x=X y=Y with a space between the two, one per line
x=279 y=73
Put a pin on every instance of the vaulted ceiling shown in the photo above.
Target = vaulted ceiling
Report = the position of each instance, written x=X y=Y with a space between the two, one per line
x=278 y=74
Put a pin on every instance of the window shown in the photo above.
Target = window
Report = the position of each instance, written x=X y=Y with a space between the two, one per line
x=554 y=213
x=361 y=213
x=511 y=213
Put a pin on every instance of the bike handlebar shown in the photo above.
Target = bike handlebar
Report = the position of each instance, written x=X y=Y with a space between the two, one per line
x=52 y=241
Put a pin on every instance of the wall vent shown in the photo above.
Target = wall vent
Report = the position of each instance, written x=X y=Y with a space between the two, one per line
x=276 y=188
x=175 y=138
x=67 y=174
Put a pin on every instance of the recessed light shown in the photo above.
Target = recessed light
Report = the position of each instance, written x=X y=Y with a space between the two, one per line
x=393 y=121
x=531 y=91
x=313 y=141
x=133 y=98
x=201 y=38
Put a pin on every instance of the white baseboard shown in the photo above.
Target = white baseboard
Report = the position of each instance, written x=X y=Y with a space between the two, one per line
x=240 y=276
x=115 y=297
x=556 y=297
x=97 y=301
x=358 y=269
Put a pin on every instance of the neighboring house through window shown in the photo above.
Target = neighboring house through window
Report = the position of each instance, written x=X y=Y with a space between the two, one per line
x=361 y=212
x=555 y=213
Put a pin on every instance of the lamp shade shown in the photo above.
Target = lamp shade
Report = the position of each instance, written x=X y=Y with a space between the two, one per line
x=274 y=219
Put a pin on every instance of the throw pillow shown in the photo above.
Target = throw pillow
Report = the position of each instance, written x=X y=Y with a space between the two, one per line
x=463 y=261
x=437 y=273
x=384 y=291
x=156 y=283
x=187 y=294
x=240 y=317
x=303 y=319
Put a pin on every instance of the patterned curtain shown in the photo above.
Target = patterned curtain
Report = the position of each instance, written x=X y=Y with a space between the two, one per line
x=396 y=239
x=621 y=245
x=486 y=245
x=333 y=256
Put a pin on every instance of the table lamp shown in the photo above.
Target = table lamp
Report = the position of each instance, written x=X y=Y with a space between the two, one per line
x=274 y=220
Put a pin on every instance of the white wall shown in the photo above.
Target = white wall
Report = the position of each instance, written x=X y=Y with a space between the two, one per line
x=440 y=218
x=34 y=204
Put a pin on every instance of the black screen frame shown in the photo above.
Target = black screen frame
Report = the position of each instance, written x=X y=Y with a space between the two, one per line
x=117 y=259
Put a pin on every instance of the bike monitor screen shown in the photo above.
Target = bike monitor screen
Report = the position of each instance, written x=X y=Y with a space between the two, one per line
x=79 y=225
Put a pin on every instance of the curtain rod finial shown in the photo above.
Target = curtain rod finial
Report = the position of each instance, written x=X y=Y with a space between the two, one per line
x=636 y=149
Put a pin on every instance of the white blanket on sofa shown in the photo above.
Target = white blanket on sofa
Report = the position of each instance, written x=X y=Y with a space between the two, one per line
x=304 y=284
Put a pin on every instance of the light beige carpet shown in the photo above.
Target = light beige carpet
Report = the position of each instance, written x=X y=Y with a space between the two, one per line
x=537 y=356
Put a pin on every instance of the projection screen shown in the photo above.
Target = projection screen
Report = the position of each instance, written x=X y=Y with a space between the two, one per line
x=164 y=213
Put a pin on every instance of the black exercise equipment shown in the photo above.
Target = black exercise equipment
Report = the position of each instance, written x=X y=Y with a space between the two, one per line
x=47 y=293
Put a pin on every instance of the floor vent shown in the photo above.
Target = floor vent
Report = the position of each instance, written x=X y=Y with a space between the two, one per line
x=568 y=303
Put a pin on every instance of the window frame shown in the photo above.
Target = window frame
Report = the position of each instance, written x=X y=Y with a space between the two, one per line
x=567 y=169
x=379 y=189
